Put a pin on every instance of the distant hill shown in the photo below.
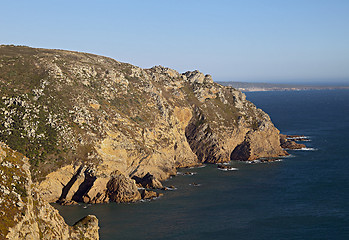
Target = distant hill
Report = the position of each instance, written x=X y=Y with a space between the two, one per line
x=254 y=87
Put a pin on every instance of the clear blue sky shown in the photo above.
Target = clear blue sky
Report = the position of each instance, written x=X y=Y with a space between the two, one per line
x=245 y=40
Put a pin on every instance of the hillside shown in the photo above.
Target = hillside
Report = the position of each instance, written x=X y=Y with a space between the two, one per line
x=88 y=124
x=24 y=215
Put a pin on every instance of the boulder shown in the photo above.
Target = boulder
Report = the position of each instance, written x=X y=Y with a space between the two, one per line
x=148 y=181
x=122 y=189
x=147 y=195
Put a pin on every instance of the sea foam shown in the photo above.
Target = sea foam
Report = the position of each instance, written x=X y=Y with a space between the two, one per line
x=306 y=149
x=228 y=169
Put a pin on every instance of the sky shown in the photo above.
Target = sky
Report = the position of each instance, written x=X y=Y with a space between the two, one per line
x=280 y=41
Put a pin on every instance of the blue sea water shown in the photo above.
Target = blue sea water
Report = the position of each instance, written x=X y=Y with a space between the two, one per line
x=305 y=196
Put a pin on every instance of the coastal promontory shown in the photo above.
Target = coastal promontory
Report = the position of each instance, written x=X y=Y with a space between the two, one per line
x=93 y=128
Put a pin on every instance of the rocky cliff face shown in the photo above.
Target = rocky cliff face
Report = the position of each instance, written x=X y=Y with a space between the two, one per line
x=24 y=215
x=89 y=123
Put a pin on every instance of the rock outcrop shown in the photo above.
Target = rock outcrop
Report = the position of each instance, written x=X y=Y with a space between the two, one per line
x=122 y=189
x=288 y=142
x=24 y=215
x=148 y=181
x=89 y=123
x=147 y=195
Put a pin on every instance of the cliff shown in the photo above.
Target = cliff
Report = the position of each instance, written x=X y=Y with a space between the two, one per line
x=90 y=125
x=24 y=215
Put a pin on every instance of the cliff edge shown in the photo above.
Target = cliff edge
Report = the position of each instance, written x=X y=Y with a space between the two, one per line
x=90 y=125
x=24 y=215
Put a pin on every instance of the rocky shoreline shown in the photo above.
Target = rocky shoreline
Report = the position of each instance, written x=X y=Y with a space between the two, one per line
x=291 y=142
x=96 y=130
x=148 y=184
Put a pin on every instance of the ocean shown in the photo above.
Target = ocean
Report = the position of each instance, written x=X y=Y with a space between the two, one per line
x=303 y=196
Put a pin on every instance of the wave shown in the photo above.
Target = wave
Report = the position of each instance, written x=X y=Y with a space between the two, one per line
x=265 y=161
x=195 y=184
x=202 y=166
x=225 y=163
x=300 y=137
x=186 y=173
x=151 y=199
x=306 y=149
x=199 y=166
x=228 y=169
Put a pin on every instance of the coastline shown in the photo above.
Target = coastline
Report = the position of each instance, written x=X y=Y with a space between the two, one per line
x=266 y=87
x=282 y=199
x=124 y=130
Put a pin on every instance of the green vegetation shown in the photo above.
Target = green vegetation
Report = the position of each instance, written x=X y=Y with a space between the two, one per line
x=12 y=182
x=57 y=106
x=19 y=70
x=27 y=132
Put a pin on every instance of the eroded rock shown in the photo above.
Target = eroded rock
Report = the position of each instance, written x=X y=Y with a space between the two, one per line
x=147 y=194
x=94 y=112
x=148 y=181
x=24 y=215
x=288 y=142
x=122 y=189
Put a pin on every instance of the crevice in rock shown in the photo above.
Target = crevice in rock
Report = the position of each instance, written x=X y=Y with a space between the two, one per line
x=201 y=139
x=68 y=186
x=148 y=181
x=85 y=186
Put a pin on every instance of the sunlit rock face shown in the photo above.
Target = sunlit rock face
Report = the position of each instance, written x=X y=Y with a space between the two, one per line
x=24 y=214
x=89 y=124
